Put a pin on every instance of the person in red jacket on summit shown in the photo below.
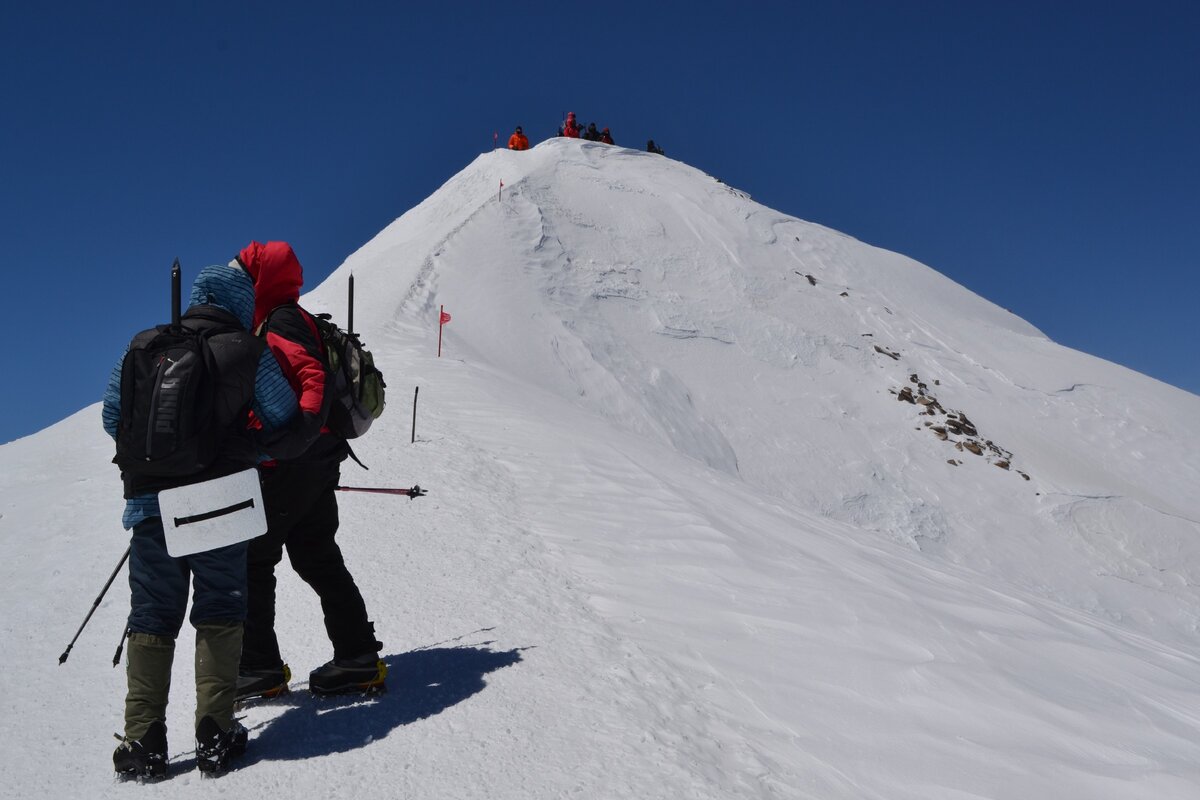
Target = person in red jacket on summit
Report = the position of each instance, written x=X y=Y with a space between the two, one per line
x=571 y=128
x=299 y=496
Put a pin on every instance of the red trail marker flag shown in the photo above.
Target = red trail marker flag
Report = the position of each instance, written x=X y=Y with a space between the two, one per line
x=443 y=318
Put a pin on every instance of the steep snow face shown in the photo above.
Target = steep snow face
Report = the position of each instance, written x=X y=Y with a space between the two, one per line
x=831 y=374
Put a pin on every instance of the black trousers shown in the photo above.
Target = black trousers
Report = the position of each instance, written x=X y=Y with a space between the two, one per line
x=302 y=516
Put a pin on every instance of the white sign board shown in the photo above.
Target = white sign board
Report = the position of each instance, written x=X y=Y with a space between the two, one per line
x=212 y=514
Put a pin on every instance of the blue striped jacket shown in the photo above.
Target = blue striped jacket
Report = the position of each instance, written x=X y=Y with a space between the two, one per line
x=229 y=287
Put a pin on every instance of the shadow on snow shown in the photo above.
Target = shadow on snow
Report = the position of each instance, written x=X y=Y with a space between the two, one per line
x=421 y=683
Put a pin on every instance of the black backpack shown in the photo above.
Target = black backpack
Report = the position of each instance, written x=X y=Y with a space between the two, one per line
x=168 y=389
x=177 y=414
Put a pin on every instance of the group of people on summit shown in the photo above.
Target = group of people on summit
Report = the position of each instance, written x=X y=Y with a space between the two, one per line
x=571 y=129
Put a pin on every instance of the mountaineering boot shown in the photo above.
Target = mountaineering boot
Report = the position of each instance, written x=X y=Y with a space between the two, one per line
x=144 y=758
x=256 y=684
x=215 y=747
x=219 y=737
x=365 y=673
x=218 y=650
x=143 y=749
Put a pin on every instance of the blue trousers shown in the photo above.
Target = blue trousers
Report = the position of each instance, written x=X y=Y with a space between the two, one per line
x=158 y=583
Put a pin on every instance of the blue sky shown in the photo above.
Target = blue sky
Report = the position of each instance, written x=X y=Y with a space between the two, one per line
x=1044 y=154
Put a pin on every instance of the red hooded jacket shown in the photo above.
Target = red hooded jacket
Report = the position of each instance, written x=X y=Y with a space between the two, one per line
x=292 y=335
x=571 y=130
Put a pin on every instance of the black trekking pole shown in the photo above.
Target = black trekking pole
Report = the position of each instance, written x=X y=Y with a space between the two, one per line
x=62 y=659
x=176 y=294
x=350 y=307
x=121 y=646
x=415 y=491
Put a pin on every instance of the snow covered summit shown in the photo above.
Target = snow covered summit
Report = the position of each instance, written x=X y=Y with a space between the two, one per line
x=722 y=504
x=826 y=373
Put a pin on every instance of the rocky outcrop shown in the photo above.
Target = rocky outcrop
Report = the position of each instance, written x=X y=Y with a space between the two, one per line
x=954 y=427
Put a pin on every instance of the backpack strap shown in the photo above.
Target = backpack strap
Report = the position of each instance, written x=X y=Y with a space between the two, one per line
x=350 y=452
x=297 y=326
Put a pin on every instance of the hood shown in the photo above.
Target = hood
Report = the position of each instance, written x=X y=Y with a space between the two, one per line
x=276 y=273
x=226 y=286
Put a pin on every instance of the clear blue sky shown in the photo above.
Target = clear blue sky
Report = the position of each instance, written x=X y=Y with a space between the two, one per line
x=1044 y=154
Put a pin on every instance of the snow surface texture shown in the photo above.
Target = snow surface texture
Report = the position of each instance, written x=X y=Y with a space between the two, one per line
x=723 y=504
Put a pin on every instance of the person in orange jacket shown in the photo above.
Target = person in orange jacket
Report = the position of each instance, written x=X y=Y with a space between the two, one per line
x=518 y=141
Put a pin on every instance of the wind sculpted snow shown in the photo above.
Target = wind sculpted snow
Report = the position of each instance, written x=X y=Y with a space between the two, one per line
x=706 y=519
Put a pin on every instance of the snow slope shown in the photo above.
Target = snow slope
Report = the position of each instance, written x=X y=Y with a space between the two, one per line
x=705 y=520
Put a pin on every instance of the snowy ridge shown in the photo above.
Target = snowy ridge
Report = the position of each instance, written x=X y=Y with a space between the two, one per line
x=693 y=527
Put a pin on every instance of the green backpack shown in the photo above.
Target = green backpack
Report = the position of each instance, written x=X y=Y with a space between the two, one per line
x=358 y=385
